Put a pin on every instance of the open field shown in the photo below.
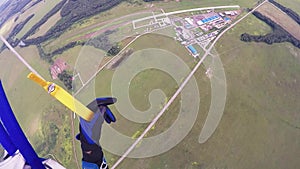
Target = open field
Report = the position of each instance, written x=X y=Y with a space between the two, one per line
x=281 y=18
x=13 y=74
x=138 y=86
x=70 y=56
x=143 y=83
x=39 y=10
x=30 y=102
x=291 y=4
x=46 y=26
x=6 y=27
x=163 y=42
x=260 y=124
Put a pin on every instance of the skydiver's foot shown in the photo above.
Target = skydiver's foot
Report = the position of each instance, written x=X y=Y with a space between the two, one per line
x=104 y=165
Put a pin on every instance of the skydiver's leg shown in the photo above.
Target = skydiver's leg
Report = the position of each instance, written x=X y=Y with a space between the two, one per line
x=92 y=153
x=90 y=132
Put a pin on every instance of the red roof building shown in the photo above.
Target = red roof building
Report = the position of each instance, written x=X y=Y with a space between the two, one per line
x=57 y=67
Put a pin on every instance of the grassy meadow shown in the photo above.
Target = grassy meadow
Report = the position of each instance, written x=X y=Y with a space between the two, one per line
x=43 y=8
x=260 y=125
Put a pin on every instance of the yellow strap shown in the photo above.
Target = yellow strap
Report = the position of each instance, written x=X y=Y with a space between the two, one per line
x=64 y=97
x=37 y=79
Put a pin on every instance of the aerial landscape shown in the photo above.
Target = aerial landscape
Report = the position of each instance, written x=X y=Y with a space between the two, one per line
x=200 y=84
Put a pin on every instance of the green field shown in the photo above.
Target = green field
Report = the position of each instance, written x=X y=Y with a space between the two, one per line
x=34 y=108
x=143 y=83
x=260 y=125
x=141 y=86
x=43 y=9
x=291 y=4
x=46 y=26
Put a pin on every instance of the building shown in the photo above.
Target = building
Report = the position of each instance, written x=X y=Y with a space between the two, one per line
x=200 y=23
x=189 y=20
x=192 y=49
x=227 y=19
x=207 y=20
x=230 y=13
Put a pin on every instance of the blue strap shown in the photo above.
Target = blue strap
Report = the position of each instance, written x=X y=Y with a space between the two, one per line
x=87 y=165
x=6 y=142
x=16 y=134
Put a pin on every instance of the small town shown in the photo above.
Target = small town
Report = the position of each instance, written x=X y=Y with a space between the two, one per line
x=195 y=30
x=201 y=29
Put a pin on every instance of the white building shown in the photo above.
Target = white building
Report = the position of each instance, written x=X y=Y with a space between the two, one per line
x=189 y=20
x=200 y=23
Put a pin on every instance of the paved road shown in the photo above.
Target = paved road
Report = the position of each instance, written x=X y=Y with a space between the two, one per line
x=183 y=11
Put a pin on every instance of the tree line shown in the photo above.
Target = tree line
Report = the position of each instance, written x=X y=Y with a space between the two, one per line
x=71 y=12
x=16 y=7
x=101 y=42
x=278 y=34
x=288 y=11
x=33 y=29
x=48 y=56
x=35 y=2
x=44 y=19
x=14 y=32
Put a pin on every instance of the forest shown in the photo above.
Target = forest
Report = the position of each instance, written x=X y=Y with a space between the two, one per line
x=66 y=78
x=278 y=35
x=15 y=8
